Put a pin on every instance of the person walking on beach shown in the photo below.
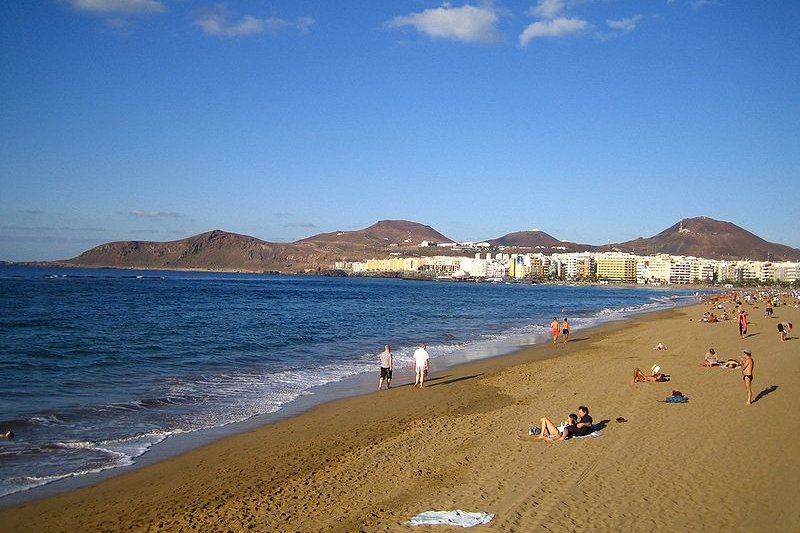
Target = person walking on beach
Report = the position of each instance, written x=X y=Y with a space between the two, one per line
x=421 y=364
x=742 y=323
x=554 y=327
x=386 y=367
x=747 y=374
x=565 y=330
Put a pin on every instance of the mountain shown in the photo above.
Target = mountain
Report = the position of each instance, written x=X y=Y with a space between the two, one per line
x=381 y=234
x=711 y=239
x=220 y=250
x=211 y=250
x=538 y=239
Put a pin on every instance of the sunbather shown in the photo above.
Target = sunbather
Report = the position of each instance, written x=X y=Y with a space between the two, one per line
x=550 y=431
x=638 y=376
x=711 y=359
x=578 y=426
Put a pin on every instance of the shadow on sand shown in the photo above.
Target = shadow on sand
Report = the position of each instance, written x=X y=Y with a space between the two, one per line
x=443 y=381
x=768 y=390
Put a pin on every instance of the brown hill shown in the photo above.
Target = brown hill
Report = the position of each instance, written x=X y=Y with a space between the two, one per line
x=711 y=239
x=539 y=240
x=382 y=234
x=220 y=250
x=213 y=250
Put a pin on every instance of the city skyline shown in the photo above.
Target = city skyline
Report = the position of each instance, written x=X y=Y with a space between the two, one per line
x=593 y=121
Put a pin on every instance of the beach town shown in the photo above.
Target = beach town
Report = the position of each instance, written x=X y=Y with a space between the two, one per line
x=587 y=266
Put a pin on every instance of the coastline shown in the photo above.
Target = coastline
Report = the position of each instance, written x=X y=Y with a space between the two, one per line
x=349 y=464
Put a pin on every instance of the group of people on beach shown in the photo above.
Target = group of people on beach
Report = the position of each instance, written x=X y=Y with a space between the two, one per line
x=421 y=359
x=563 y=327
x=578 y=425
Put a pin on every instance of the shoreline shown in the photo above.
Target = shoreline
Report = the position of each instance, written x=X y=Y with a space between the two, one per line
x=317 y=471
x=349 y=386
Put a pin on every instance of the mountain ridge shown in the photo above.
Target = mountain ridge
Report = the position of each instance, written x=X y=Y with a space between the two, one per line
x=221 y=250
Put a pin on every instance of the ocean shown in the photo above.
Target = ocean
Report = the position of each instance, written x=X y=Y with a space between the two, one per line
x=99 y=366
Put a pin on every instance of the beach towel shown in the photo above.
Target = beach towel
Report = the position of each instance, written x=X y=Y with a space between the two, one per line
x=450 y=518
x=676 y=399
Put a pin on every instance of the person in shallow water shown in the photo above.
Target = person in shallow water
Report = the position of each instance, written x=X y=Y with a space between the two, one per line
x=386 y=367
x=7 y=435
x=421 y=364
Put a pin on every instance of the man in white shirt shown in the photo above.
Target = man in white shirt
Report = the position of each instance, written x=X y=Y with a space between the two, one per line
x=421 y=359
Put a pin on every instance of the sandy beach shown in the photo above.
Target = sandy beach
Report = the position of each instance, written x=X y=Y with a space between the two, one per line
x=371 y=462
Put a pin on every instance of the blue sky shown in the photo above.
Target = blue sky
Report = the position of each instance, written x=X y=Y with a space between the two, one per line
x=594 y=120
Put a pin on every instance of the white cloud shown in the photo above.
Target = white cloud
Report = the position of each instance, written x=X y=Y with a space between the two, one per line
x=699 y=4
x=559 y=27
x=217 y=21
x=138 y=213
x=466 y=23
x=625 y=25
x=547 y=9
x=118 y=6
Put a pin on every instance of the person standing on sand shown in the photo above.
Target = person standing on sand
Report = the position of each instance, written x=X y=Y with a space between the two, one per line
x=747 y=374
x=421 y=365
x=554 y=327
x=386 y=367
x=742 y=323
x=565 y=330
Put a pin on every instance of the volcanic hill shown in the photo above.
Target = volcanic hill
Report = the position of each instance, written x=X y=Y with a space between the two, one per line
x=712 y=239
x=220 y=250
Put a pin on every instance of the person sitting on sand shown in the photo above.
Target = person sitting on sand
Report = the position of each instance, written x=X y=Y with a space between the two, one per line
x=784 y=328
x=711 y=359
x=638 y=376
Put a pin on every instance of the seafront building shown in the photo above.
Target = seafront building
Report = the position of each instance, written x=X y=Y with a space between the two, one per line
x=612 y=267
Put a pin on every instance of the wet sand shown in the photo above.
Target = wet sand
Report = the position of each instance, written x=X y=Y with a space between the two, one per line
x=369 y=463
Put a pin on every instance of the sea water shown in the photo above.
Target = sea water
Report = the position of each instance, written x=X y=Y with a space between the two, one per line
x=100 y=365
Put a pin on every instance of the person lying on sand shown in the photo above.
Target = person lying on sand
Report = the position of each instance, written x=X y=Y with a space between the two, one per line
x=578 y=426
x=638 y=376
x=711 y=359
x=549 y=431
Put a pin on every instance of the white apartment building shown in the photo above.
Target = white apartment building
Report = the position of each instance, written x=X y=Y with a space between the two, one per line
x=680 y=270
x=766 y=272
x=653 y=269
x=786 y=272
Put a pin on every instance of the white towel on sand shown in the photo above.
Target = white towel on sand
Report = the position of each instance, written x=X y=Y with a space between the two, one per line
x=450 y=518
